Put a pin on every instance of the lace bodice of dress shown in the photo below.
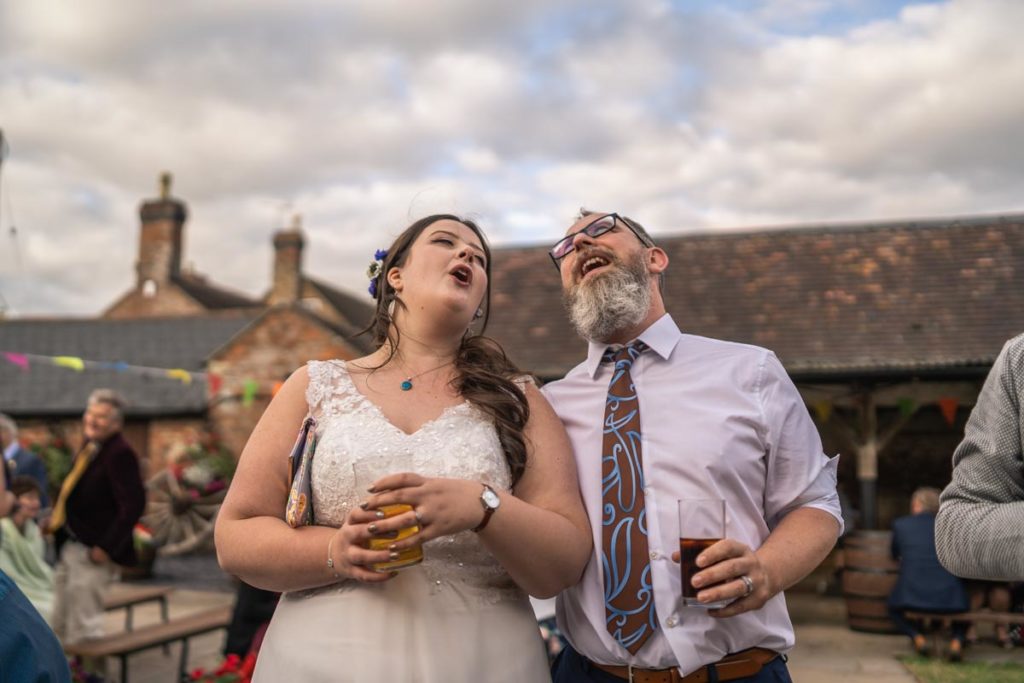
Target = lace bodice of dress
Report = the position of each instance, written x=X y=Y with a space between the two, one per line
x=461 y=443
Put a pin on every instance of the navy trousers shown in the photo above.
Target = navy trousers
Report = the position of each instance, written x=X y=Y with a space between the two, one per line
x=571 y=667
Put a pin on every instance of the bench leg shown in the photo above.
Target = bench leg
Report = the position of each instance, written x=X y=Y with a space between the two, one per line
x=183 y=662
x=166 y=618
x=124 y=668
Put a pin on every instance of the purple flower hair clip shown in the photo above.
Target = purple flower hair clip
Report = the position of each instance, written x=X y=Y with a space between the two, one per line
x=375 y=269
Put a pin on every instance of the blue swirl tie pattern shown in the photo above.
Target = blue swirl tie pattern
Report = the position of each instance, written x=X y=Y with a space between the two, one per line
x=628 y=595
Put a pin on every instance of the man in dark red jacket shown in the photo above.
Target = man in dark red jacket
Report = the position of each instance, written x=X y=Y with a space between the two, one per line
x=100 y=501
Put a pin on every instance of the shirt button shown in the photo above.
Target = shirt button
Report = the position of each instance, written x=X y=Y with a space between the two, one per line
x=654 y=554
x=671 y=621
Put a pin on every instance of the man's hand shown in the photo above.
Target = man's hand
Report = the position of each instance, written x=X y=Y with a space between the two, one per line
x=722 y=565
x=98 y=555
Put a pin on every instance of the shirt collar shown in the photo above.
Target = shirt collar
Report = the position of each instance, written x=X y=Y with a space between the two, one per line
x=11 y=450
x=661 y=336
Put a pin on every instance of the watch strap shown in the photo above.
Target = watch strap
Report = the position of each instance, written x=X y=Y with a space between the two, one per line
x=488 y=511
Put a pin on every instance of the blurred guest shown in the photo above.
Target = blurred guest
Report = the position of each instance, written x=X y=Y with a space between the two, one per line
x=100 y=501
x=28 y=649
x=21 y=461
x=22 y=549
x=253 y=609
x=995 y=596
x=980 y=526
x=923 y=584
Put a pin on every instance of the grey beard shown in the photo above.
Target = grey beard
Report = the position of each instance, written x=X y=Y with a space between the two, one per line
x=613 y=301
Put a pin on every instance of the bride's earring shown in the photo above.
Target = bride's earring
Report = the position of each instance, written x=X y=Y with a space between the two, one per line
x=479 y=313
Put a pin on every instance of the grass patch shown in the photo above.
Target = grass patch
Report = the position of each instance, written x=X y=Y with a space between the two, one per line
x=938 y=671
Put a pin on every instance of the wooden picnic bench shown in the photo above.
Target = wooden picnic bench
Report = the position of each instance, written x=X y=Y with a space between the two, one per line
x=122 y=645
x=127 y=597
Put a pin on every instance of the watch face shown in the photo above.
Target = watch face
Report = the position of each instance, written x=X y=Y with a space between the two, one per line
x=490 y=498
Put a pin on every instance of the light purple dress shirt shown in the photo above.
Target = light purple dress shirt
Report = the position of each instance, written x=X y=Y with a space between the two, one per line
x=720 y=420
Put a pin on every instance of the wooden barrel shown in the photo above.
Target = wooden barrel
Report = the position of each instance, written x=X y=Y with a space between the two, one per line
x=869 y=575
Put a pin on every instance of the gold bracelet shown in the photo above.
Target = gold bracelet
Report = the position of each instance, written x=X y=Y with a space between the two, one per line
x=330 y=559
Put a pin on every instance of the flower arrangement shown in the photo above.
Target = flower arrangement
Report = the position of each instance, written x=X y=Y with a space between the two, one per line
x=80 y=675
x=205 y=467
x=142 y=539
x=375 y=269
x=233 y=669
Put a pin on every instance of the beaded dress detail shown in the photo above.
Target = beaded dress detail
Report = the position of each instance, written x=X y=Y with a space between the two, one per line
x=433 y=611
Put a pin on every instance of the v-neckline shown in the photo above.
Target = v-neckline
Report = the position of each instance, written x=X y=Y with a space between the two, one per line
x=377 y=409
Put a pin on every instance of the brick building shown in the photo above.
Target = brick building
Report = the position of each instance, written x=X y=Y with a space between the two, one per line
x=887 y=328
x=172 y=319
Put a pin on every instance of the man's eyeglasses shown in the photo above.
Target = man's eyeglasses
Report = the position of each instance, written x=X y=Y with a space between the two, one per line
x=595 y=228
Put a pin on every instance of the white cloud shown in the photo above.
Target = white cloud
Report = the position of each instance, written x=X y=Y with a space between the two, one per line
x=365 y=115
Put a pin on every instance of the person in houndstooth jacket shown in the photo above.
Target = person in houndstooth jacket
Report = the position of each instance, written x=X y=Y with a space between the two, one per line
x=979 y=531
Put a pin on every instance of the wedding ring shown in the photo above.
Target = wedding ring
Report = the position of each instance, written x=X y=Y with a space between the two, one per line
x=419 y=517
x=748 y=583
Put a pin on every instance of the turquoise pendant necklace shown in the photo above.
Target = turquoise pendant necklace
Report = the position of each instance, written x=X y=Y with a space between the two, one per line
x=407 y=382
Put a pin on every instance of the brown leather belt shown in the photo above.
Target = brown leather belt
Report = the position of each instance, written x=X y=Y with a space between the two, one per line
x=729 y=668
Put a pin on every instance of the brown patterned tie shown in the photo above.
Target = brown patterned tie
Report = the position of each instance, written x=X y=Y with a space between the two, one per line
x=629 y=597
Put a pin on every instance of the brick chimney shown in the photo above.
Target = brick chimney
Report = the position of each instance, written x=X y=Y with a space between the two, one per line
x=288 y=243
x=160 y=239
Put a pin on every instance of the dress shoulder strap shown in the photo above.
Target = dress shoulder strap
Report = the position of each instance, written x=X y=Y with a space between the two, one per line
x=323 y=383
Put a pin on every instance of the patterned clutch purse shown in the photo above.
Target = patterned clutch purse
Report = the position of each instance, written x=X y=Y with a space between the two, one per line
x=299 y=510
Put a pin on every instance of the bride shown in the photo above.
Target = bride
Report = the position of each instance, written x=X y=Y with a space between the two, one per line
x=492 y=491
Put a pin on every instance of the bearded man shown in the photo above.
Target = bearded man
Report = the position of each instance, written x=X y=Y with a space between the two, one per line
x=657 y=416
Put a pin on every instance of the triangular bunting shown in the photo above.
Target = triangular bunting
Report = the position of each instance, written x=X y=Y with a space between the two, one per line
x=76 y=364
x=184 y=375
x=249 y=392
x=19 y=359
x=906 y=406
x=948 y=407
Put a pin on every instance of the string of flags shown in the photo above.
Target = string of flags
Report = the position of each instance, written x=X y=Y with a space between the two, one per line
x=250 y=387
x=948 y=406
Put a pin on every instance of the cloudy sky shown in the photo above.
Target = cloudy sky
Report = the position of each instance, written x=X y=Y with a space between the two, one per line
x=362 y=115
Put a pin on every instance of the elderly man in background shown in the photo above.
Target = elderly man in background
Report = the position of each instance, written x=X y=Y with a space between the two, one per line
x=100 y=501
x=21 y=461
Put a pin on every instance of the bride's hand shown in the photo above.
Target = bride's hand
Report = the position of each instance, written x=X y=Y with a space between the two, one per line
x=351 y=559
x=440 y=507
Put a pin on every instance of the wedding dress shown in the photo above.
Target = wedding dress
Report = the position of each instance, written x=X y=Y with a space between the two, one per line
x=457 y=616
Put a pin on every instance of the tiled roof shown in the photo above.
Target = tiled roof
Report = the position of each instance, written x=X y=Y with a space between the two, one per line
x=155 y=342
x=213 y=297
x=356 y=310
x=846 y=300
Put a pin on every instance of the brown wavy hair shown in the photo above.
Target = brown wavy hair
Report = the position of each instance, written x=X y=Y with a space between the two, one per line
x=485 y=376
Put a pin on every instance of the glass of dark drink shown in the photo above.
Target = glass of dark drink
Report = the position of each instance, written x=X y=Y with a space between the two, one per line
x=701 y=525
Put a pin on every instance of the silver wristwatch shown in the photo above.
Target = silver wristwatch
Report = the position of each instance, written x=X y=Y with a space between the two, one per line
x=490 y=500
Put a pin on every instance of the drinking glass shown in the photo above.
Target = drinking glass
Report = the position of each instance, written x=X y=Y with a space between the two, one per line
x=366 y=472
x=701 y=525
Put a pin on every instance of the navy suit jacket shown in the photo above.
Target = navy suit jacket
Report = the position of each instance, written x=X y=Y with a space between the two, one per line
x=923 y=584
x=26 y=463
